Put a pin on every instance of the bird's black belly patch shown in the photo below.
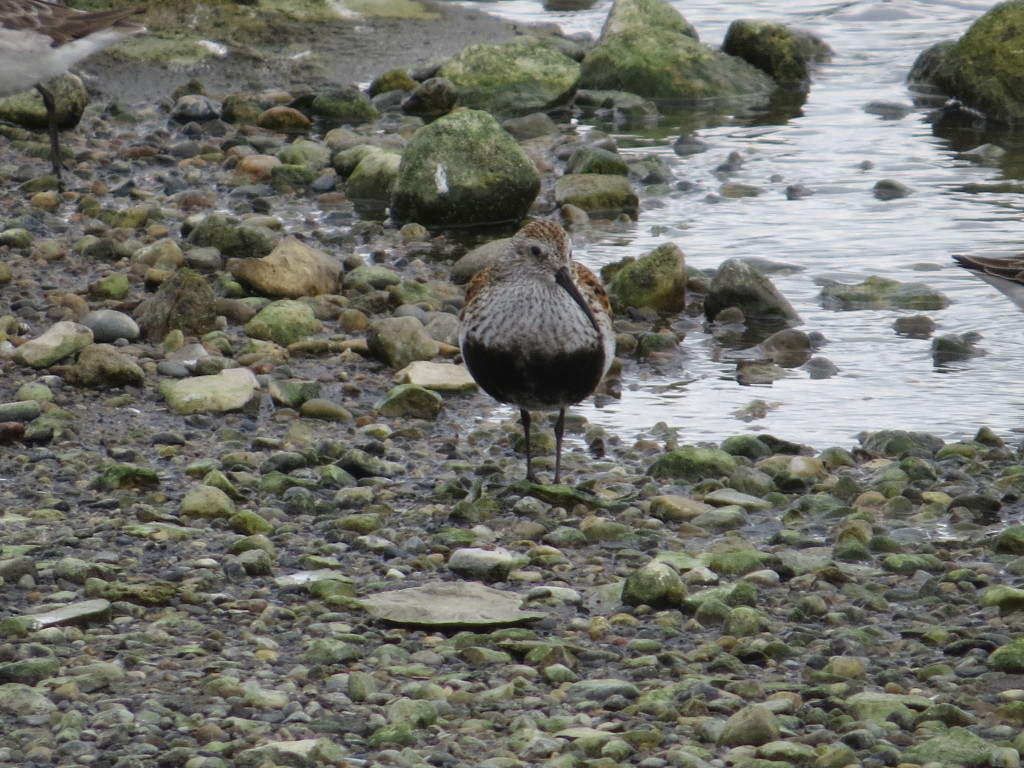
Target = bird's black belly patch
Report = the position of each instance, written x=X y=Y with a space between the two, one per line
x=533 y=380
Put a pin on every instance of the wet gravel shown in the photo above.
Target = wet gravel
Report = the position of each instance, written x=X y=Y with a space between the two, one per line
x=185 y=589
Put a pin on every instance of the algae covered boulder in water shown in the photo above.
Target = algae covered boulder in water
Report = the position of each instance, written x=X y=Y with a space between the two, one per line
x=981 y=69
x=648 y=48
x=785 y=54
x=738 y=284
x=656 y=280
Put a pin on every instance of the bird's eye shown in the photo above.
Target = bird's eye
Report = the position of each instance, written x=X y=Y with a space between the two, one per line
x=536 y=251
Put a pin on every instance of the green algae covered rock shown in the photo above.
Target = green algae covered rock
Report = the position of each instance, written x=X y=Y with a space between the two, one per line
x=785 y=54
x=692 y=464
x=656 y=584
x=957 y=746
x=881 y=293
x=656 y=280
x=461 y=170
x=649 y=49
x=981 y=69
x=601 y=195
x=284 y=322
x=737 y=283
x=514 y=78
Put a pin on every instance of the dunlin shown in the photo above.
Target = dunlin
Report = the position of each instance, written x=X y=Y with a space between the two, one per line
x=1004 y=272
x=40 y=40
x=536 y=329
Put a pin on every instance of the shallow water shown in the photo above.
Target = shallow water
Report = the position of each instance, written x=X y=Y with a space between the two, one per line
x=841 y=232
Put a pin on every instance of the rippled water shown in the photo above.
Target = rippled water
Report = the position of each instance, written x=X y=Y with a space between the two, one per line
x=841 y=232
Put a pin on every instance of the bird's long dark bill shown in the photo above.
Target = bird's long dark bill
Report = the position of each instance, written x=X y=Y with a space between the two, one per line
x=564 y=279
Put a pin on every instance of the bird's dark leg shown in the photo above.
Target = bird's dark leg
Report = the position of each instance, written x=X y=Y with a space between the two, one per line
x=524 y=416
x=559 y=431
x=51 y=119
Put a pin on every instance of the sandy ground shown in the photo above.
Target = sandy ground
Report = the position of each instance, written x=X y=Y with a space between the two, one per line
x=345 y=51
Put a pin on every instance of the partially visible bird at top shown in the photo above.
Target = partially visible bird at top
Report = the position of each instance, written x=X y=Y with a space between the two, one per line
x=1004 y=272
x=40 y=40
x=536 y=329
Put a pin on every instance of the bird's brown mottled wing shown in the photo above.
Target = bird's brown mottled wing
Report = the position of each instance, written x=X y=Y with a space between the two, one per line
x=59 y=22
x=591 y=286
x=1009 y=268
x=477 y=284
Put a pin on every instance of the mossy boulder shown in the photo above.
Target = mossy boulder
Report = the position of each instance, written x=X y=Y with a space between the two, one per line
x=737 y=283
x=982 y=69
x=344 y=105
x=462 y=170
x=656 y=584
x=781 y=52
x=656 y=280
x=957 y=746
x=649 y=49
x=27 y=109
x=283 y=322
x=517 y=77
x=183 y=302
x=392 y=80
x=691 y=464
x=232 y=238
x=371 y=182
x=601 y=195
x=654 y=14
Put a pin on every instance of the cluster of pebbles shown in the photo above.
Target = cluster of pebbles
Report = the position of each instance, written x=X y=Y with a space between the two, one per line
x=338 y=569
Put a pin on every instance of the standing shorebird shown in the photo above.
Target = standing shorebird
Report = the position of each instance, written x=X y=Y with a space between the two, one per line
x=536 y=329
x=40 y=40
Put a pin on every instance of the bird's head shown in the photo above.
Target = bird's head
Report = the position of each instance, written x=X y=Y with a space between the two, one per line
x=541 y=245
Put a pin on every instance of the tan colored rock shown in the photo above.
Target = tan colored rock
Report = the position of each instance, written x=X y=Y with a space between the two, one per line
x=292 y=270
x=257 y=167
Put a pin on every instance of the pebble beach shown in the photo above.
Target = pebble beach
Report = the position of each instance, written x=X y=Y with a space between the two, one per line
x=327 y=557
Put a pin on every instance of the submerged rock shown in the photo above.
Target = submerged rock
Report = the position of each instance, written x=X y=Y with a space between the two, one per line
x=463 y=169
x=880 y=293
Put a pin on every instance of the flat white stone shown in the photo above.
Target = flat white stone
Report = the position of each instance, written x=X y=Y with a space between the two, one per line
x=440 y=377
x=463 y=603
